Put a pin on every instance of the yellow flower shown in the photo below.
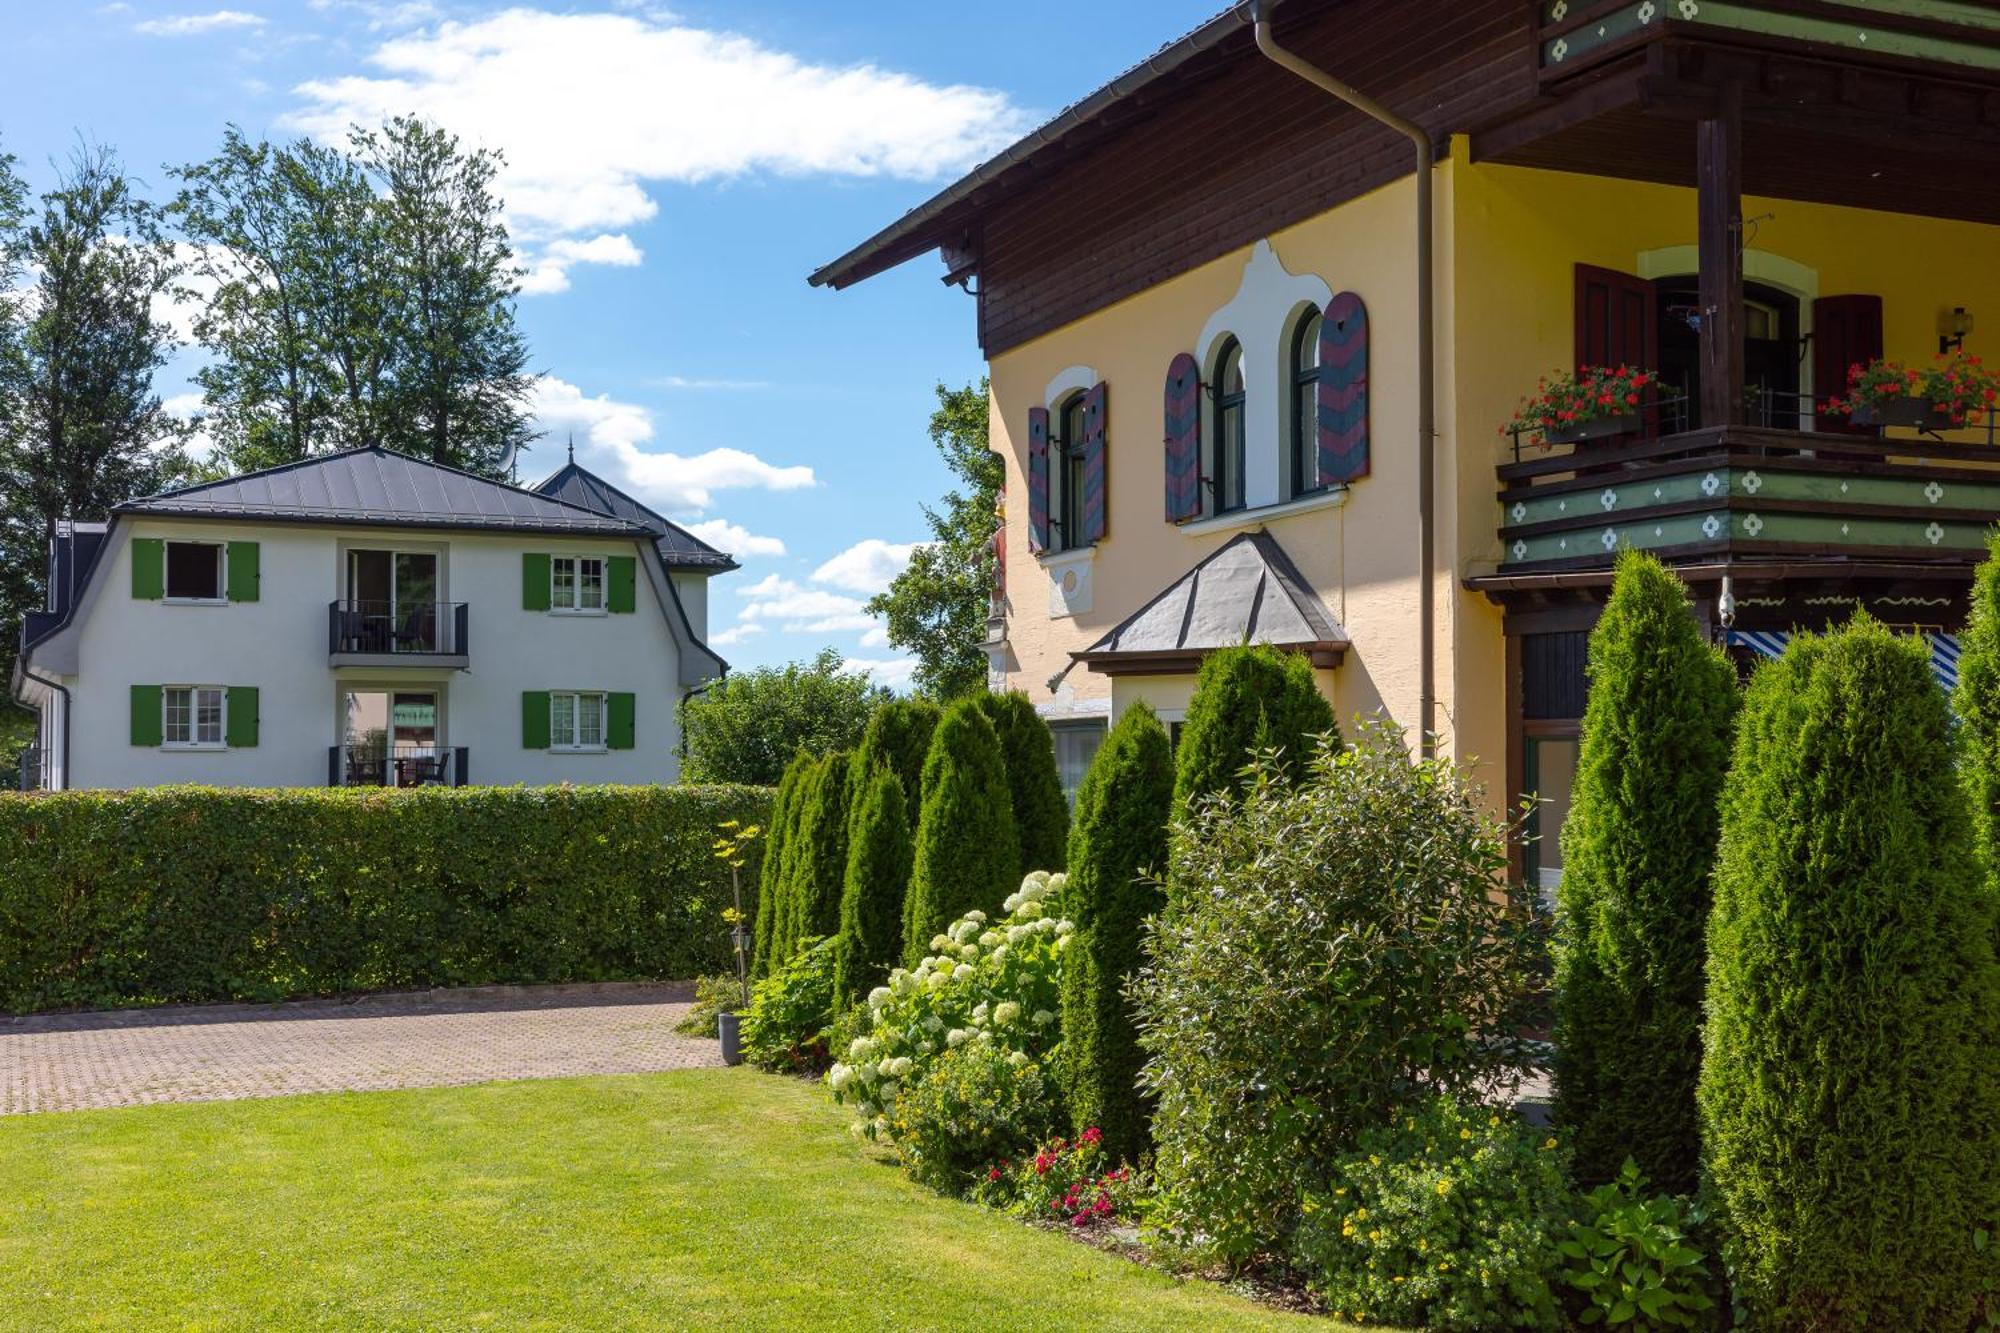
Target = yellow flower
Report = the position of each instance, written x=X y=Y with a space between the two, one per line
x=1375 y=1233
x=1423 y=1246
x=1361 y=1214
x=1373 y=1160
x=1495 y=1122
x=1347 y=1228
x=1444 y=1187
x=1465 y=1133
x=1340 y=1193
x=1547 y=1144
x=1397 y=1278
x=1444 y=1267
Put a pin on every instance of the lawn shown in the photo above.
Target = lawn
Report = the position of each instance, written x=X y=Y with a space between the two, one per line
x=701 y=1198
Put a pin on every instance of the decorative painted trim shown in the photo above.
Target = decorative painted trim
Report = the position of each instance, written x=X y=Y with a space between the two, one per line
x=1076 y=379
x=1331 y=498
x=1070 y=583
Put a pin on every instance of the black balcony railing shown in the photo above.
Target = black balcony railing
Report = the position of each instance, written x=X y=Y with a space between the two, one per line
x=402 y=765
x=398 y=629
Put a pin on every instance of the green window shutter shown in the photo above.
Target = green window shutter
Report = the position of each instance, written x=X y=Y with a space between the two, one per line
x=246 y=575
x=622 y=726
x=535 y=581
x=148 y=726
x=149 y=569
x=621 y=574
x=242 y=731
x=535 y=718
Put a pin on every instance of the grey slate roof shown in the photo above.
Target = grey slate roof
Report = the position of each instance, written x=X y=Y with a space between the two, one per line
x=373 y=485
x=679 y=548
x=1248 y=591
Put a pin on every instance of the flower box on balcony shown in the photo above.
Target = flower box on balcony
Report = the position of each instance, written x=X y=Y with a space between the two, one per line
x=1590 y=403
x=1915 y=412
x=1626 y=423
x=1953 y=392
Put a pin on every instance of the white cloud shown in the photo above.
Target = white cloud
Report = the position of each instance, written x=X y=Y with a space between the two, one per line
x=867 y=566
x=896 y=673
x=777 y=601
x=191 y=407
x=735 y=634
x=609 y=434
x=193 y=25
x=590 y=109
x=704 y=385
x=726 y=536
x=878 y=637
x=549 y=271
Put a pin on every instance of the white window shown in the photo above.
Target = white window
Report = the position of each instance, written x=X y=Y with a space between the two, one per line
x=193 y=716
x=576 y=721
x=1076 y=746
x=576 y=583
x=194 y=572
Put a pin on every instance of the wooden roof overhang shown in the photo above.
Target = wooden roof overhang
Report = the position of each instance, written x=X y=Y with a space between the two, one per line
x=1824 y=123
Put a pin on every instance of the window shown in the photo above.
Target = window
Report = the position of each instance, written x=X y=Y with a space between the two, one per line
x=193 y=716
x=1066 y=477
x=194 y=572
x=1227 y=429
x=1076 y=745
x=577 y=583
x=576 y=721
x=1305 y=404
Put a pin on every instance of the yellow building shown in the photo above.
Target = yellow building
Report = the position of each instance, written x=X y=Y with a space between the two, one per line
x=1199 y=292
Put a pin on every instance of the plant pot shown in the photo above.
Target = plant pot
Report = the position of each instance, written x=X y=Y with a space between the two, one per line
x=1626 y=423
x=730 y=1026
x=1912 y=412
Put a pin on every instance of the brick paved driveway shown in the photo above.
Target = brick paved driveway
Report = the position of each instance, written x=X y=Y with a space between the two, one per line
x=430 y=1039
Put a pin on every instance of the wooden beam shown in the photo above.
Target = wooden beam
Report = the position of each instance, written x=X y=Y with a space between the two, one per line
x=1719 y=190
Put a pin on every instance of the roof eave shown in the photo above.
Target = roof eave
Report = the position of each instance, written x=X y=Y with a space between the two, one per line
x=1327 y=653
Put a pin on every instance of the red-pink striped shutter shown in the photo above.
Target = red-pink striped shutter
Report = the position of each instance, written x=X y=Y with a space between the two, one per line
x=1343 y=391
x=1096 y=423
x=1183 y=444
x=1038 y=479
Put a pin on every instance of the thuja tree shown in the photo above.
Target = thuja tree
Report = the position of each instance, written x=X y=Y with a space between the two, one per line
x=967 y=856
x=1638 y=848
x=818 y=855
x=1116 y=849
x=899 y=735
x=774 y=877
x=1248 y=699
x=1977 y=703
x=1850 y=1086
x=1041 y=812
x=879 y=855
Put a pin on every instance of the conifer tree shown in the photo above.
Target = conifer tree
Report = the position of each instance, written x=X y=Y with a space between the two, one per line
x=1977 y=703
x=819 y=854
x=879 y=857
x=966 y=855
x=773 y=877
x=1119 y=842
x=1850 y=1083
x=1248 y=699
x=1637 y=851
x=1041 y=812
x=898 y=734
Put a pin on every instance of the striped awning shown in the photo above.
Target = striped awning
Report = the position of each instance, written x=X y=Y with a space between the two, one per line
x=1771 y=643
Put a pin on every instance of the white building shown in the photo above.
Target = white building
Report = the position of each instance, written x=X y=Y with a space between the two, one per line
x=368 y=618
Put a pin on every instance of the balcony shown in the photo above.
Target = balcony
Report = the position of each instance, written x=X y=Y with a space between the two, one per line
x=1762 y=493
x=398 y=634
x=401 y=765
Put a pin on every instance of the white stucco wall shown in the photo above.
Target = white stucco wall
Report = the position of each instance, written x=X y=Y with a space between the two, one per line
x=279 y=644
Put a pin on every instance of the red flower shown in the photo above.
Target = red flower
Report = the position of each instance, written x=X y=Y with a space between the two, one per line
x=1093 y=1135
x=994 y=1174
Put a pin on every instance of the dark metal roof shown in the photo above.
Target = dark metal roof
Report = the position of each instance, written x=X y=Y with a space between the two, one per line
x=921 y=228
x=1248 y=591
x=373 y=485
x=679 y=548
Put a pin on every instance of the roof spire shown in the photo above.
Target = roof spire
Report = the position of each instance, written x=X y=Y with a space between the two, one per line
x=572 y=446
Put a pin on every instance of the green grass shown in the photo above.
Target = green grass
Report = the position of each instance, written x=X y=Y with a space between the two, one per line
x=703 y=1198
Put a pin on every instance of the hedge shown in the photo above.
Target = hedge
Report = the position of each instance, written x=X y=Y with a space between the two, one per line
x=188 y=894
x=1637 y=851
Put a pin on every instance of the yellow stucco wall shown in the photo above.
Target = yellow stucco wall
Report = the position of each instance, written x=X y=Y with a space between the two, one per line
x=1508 y=240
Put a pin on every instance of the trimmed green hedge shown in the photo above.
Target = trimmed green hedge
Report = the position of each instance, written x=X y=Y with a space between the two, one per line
x=202 y=894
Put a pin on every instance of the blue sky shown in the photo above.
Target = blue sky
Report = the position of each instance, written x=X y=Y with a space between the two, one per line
x=675 y=172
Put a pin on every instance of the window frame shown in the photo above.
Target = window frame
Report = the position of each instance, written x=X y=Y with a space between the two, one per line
x=167 y=594
x=577 y=585
x=1302 y=382
x=194 y=742
x=1225 y=407
x=576 y=700
x=1066 y=428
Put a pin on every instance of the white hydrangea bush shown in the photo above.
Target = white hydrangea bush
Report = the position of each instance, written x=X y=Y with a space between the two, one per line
x=997 y=982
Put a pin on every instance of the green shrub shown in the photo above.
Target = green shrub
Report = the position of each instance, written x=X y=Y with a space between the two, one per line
x=818 y=851
x=784 y=1029
x=1041 y=812
x=1119 y=840
x=1449 y=1218
x=1077 y=1183
x=978 y=1104
x=965 y=840
x=188 y=894
x=713 y=995
x=1977 y=703
x=1331 y=945
x=1630 y=1260
x=1248 y=699
x=871 y=902
x=1850 y=1087
x=774 y=876
x=998 y=983
x=899 y=735
x=747 y=726
x=1637 y=851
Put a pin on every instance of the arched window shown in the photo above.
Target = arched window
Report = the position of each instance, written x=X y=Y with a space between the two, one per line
x=1066 y=476
x=1304 y=412
x=1227 y=437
